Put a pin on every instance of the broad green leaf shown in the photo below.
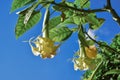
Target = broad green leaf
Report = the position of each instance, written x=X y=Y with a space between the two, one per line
x=90 y=42
x=68 y=13
x=29 y=12
x=76 y=20
x=92 y=19
x=94 y=22
x=82 y=3
x=59 y=34
x=96 y=26
x=20 y=3
x=69 y=4
x=67 y=22
x=54 y=22
x=113 y=71
x=21 y=28
x=79 y=20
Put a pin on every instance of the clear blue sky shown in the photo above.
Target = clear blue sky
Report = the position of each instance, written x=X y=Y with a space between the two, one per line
x=17 y=61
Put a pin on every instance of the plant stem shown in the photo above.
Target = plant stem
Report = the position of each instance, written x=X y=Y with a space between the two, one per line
x=94 y=72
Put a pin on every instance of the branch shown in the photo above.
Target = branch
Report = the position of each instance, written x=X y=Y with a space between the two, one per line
x=75 y=9
x=109 y=8
x=80 y=10
x=100 y=44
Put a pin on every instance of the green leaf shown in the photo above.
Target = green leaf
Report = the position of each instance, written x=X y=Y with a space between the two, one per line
x=67 y=22
x=113 y=71
x=54 y=22
x=21 y=28
x=68 y=13
x=20 y=3
x=118 y=78
x=59 y=34
x=94 y=22
x=69 y=4
x=96 y=26
x=76 y=20
x=82 y=3
x=90 y=42
x=29 y=12
x=79 y=20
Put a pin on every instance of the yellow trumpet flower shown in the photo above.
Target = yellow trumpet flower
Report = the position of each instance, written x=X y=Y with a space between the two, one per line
x=44 y=47
x=79 y=63
x=91 y=52
x=86 y=62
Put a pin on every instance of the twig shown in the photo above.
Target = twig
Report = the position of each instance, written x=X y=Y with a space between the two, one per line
x=109 y=8
x=80 y=10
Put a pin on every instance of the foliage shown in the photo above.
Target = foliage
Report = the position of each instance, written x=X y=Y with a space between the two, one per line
x=110 y=68
x=60 y=34
x=21 y=27
x=99 y=59
x=20 y=3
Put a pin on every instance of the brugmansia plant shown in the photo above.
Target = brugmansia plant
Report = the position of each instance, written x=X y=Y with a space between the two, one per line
x=100 y=60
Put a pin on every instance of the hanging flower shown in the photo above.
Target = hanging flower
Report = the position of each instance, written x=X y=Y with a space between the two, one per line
x=91 y=52
x=80 y=64
x=85 y=62
x=44 y=47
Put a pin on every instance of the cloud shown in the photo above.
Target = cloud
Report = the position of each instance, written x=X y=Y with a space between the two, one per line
x=91 y=33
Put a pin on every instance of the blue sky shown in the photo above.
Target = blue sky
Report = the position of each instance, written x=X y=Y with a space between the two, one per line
x=17 y=61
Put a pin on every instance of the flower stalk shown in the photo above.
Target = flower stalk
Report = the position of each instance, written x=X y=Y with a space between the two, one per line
x=45 y=28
